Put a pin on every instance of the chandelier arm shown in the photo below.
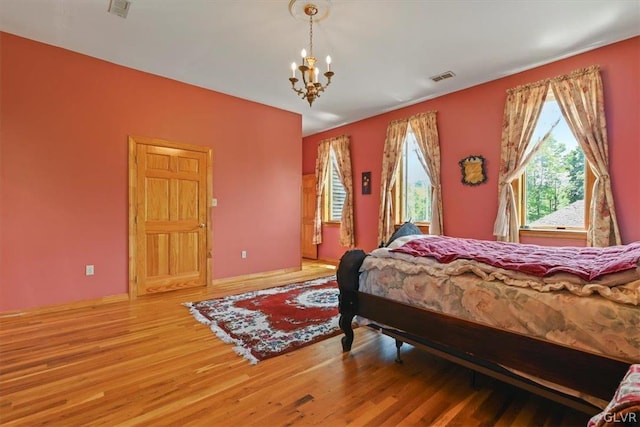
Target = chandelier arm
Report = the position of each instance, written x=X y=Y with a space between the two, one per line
x=320 y=87
x=299 y=92
x=303 y=70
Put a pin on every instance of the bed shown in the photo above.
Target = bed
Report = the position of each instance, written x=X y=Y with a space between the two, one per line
x=560 y=322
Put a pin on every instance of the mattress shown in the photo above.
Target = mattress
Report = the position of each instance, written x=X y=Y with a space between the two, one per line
x=591 y=323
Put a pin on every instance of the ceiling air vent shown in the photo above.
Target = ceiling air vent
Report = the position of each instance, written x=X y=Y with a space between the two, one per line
x=442 y=76
x=119 y=7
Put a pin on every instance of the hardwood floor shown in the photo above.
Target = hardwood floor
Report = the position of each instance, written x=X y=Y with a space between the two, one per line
x=148 y=362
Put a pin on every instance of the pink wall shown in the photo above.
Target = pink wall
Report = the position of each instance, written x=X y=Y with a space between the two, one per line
x=63 y=172
x=469 y=122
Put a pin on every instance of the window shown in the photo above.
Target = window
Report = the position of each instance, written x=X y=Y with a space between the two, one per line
x=552 y=191
x=413 y=187
x=334 y=192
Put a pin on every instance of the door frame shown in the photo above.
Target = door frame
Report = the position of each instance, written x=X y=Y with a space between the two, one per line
x=302 y=219
x=134 y=141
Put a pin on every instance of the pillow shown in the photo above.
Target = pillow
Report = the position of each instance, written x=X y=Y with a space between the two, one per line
x=406 y=229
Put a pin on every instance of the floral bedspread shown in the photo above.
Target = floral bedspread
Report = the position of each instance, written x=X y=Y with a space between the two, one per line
x=621 y=286
x=590 y=323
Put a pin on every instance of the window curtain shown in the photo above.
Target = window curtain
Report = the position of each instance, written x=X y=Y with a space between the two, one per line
x=521 y=113
x=581 y=101
x=340 y=147
x=426 y=131
x=396 y=134
x=322 y=169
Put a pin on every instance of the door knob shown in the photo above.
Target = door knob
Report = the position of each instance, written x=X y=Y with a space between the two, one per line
x=202 y=225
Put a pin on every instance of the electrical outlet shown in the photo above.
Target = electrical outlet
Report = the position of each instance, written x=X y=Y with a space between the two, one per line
x=243 y=254
x=88 y=270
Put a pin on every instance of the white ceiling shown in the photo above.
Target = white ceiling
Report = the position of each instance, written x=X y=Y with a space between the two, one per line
x=383 y=51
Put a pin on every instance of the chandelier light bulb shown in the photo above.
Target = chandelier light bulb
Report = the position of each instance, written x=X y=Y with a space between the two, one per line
x=311 y=87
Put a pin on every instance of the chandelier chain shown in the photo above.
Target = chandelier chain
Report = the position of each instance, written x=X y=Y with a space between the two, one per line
x=311 y=35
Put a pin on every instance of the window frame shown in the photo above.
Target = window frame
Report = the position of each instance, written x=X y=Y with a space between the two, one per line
x=519 y=189
x=398 y=191
x=327 y=192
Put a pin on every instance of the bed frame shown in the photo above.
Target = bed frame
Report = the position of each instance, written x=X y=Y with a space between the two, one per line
x=484 y=349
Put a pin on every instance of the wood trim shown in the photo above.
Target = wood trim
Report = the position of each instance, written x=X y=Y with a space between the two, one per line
x=169 y=144
x=423 y=226
x=133 y=228
x=517 y=185
x=308 y=204
x=65 y=306
x=590 y=180
x=209 y=256
x=519 y=194
x=333 y=224
x=554 y=233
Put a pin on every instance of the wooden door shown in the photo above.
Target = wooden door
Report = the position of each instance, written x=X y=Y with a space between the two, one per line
x=309 y=250
x=169 y=209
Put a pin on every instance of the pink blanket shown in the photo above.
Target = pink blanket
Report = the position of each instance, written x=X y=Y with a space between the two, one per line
x=588 y=263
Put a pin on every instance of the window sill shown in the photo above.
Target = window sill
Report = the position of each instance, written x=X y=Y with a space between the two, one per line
x=423 y=226
x=554 y=233
x=332 y=223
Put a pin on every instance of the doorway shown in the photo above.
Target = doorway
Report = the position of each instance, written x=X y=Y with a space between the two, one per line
x=170 y=187
x=309 y=249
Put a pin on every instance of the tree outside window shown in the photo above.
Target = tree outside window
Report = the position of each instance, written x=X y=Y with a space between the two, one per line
x=413 y=185
x=554 y=180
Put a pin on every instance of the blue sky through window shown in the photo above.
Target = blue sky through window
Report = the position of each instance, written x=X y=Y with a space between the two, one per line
x=415 y=171
x=549 y=114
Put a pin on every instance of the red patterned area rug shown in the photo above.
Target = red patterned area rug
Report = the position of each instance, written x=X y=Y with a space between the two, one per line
x=274 y=321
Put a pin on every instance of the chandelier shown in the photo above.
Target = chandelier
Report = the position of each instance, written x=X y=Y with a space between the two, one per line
x=311 y=87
